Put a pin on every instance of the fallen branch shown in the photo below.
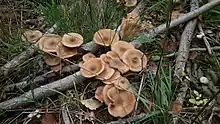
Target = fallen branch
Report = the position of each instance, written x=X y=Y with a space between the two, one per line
x=43 y=91
x=182 y=57
x=41 y=79
x=67 y=82
x=205 y=49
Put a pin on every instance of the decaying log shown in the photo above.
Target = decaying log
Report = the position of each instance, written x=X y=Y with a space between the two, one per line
x=182 y=57
x=67 y=82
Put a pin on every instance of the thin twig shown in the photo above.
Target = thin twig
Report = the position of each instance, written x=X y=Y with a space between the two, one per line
x=208 y=46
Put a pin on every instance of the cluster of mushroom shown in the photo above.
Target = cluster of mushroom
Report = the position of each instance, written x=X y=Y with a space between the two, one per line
x=55 y=46
x=109 y=68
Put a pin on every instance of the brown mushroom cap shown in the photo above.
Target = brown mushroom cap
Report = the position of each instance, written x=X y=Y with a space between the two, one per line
x=123 y=102
x=113 y=78
x=135 y=59
x=104 y=93
x=72 y=40
x=121 y=47
x=88 y=56
x=65 y=52
x=99 y=94
x=112 y=55
x=106 y=74
x=105 y=37
x=118 y=64
x=93 y=67
x=51 y=60
x=130 y=3
x=49 y=42
x=31 y=35
x=122 y=83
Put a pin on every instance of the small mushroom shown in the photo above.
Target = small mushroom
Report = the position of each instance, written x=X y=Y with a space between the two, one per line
x=113 y=78
x=88 y=56
x=106 y=74
x=135 y=59
x=93 y=67
x=65 y=52
x=118 y=64
x=49 y=42
x=99 y=94
x=106 y=100
x=51 y=60
x=123 y=102
x=105 y=37
x=72 y=40
x=122 y=83
x=130 y=3
x=31 y=35
x=121 y=47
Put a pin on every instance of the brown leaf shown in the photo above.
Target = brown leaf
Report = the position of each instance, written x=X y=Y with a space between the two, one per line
x=176 y=108
x=193 y=55
x=49 y=118
x=169 y=46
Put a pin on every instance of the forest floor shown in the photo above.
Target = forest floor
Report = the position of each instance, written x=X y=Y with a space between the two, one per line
x=179 y=84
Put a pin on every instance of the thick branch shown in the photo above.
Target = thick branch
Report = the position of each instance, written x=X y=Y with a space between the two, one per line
x=43 y=91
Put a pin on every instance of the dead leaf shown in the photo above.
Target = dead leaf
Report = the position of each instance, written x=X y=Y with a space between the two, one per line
x=193 y=55
x=49 y=118
x=176 y=108
x=92 y=104
x=170 y=46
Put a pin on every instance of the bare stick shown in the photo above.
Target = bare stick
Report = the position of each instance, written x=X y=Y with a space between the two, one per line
x=40 y=79
x=183 y=55
x=205 y=49
x=43 y=91
x=208 y=46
